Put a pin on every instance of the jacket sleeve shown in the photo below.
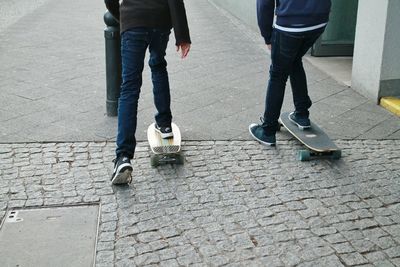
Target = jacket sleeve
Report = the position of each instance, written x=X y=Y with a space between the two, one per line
x=179 y=21
x=113 y=7
x=265 y=17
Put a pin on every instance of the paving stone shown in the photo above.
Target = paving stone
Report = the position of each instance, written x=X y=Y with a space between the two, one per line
x=335 y=238
x=385 y=242
x=375 y=256
x=148 y=237
x=324 y=231
x=353 y=259
x=103 y=246
x=393 y=252
x=170 y=262
x=343 y=248
x=290 y=258
x=332 y=261
x=189 y=259
x=125 y=263
x=384 y=263
x=363 y=246
x=105 y=257
x=396 y=261
x=167 y=253
x=145 y=259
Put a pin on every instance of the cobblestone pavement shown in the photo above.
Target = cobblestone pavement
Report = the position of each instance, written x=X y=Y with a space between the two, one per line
x=232 y=203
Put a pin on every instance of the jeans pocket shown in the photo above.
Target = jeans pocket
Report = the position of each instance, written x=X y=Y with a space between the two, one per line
x=289 y=44
x=133 y=36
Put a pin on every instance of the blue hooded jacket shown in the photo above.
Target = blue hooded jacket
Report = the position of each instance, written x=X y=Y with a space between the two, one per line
x=291 y=14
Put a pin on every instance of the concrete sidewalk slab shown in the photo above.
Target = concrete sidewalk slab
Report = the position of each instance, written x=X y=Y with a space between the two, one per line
x=52 y=85
x=12 y=10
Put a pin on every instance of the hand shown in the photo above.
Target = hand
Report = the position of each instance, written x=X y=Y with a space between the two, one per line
x=185 y=48
x=269 y=47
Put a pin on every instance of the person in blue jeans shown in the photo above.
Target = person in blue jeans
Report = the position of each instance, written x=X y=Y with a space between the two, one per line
x=145 y=25
x=298 y=24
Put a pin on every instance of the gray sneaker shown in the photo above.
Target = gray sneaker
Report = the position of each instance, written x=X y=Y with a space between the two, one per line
x=301 y=122
x=257 y=132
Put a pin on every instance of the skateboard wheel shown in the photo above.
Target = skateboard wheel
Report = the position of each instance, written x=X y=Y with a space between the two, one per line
x=180 y=159
x=303 y=155
x=154 y=161
x=337 y=154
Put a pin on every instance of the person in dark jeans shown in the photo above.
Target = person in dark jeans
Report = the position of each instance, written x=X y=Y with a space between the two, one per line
x=145 y=25
x=299 y=23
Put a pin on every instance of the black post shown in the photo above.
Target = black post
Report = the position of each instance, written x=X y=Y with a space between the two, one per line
x=113 y=63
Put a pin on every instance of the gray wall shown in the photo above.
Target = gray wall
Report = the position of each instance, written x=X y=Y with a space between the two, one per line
x=390 y=78
x=376 y=68
x=370 y=33
x=391 y=68
x=245 y=10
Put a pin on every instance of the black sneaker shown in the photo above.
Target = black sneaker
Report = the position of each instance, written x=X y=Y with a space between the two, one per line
x=257 y=132
x=122 y=171
x=165 y=132
x=301 y=122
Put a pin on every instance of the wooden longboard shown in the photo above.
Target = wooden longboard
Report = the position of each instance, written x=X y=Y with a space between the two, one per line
x=164 y=150
x=313 y=138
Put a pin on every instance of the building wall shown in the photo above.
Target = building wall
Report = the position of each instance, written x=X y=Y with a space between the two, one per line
x=245 y=10
x=391 y=70
x=390 y=78
x=376 y=68
x=367 y=60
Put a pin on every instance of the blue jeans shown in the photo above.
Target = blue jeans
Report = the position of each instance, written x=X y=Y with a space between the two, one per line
x=134 y=44
x=287 y=54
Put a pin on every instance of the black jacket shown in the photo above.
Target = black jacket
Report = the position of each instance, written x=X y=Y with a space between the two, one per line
x=164 y=14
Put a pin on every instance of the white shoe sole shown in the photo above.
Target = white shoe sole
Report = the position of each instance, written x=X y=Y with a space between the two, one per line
x=258 y=140
x=123 y=177
x=298 y=125
x=165 y=135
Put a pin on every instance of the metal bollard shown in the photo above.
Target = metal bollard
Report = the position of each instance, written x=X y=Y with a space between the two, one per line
x=113 y=63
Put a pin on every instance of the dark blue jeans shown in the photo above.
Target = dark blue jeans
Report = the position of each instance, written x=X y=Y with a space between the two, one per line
x=287 y=54
x=134 y=44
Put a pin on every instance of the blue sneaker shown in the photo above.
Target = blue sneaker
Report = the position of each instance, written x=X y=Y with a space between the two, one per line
x=257 y=132
x=301 y=122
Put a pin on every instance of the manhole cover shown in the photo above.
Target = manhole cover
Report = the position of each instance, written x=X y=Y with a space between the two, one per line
x=64 y=236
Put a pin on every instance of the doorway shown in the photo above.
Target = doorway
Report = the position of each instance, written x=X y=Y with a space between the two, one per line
x=338 y=38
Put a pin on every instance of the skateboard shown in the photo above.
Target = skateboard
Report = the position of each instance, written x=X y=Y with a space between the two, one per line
x=164 y=150
x=315 y=139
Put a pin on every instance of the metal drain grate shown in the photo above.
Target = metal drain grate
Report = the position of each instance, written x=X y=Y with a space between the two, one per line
x=59 y=236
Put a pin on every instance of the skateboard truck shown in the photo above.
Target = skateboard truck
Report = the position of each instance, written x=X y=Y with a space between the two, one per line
x=306 y=155
x=314 y=138
x=165 y=151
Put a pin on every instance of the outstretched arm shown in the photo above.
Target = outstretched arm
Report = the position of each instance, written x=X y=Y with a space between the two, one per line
x=113 y=7
x=265 y=17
